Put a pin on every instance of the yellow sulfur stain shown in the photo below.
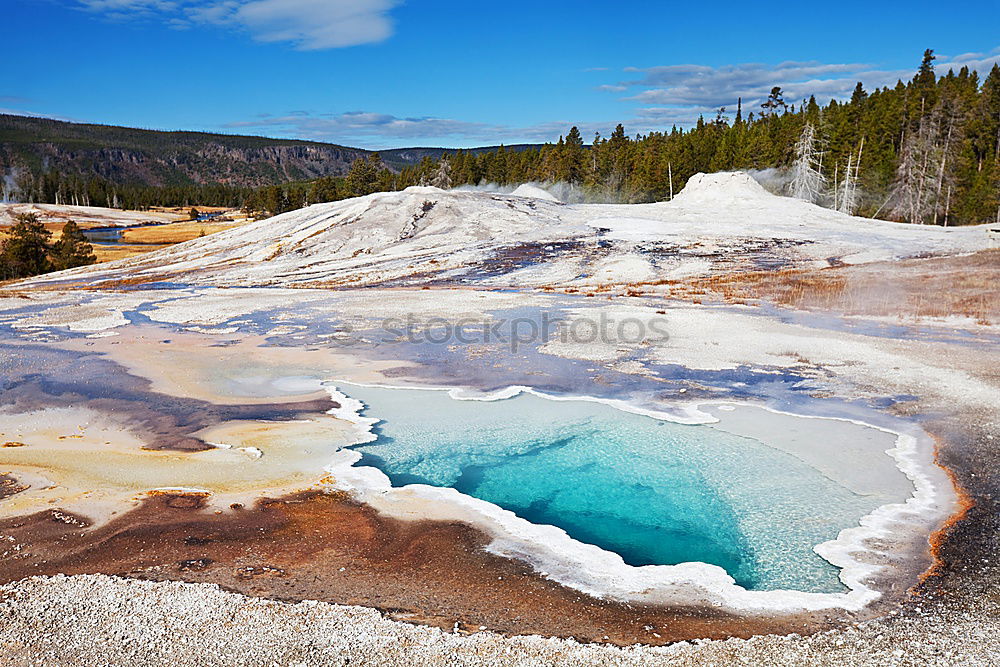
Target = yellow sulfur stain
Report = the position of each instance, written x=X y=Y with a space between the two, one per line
x=109 y=465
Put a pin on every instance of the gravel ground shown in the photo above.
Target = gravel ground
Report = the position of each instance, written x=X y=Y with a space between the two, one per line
x=99 y=620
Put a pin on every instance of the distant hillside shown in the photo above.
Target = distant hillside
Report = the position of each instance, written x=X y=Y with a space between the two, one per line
x=129 y=156
x=147 y=157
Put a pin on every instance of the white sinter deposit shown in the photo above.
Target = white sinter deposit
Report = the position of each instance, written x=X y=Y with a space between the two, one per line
x=87 y=216
x=528 y=239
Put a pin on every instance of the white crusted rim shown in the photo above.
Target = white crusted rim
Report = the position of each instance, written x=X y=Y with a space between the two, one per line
x=601 y=573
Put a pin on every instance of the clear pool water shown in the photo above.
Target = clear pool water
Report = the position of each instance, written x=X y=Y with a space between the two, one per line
x=653 y=491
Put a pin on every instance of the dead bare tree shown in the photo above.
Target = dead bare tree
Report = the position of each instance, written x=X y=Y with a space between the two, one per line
x=945 y=178
x=442 y=177
x=807 y=170
x=848 y=200
x=914 y=187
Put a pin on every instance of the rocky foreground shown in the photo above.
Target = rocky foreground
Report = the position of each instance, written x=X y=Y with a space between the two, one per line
x=99 y=620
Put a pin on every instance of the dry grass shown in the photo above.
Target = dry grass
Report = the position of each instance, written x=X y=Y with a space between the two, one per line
x=140 y=240
x=109 y=253
x=176 y=232
x=184 y=210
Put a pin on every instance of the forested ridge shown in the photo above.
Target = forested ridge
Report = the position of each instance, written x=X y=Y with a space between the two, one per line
x=923 y=151
x=45 y=160
x=58 y=162
x=53 y=161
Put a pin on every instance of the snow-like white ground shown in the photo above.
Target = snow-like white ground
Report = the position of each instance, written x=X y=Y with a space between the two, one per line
x=534 y=192
x=528 y=240
x=86 y=216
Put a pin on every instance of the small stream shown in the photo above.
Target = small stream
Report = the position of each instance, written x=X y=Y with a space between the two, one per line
x=104 y=235
x=116 y=235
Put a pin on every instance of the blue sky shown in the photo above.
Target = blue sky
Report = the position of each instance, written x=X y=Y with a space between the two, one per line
x=390 y=73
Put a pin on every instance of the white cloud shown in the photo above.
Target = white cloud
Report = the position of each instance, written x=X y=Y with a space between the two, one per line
x=129 y=5
x=662 y=117
x=37 y=114
x=675 y=90
x=308 y=24
x=705 y=86
x=979 y=62
x=378 y=130
x=369 y=128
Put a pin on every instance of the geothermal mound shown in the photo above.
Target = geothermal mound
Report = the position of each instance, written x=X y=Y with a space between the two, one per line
x=424 y=235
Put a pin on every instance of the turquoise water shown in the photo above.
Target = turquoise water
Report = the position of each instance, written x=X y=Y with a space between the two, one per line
x=654 y=492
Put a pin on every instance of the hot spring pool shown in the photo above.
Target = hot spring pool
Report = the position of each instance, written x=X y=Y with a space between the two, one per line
x=652 y=491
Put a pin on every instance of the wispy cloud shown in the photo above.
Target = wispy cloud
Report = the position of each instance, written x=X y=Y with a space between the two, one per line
x=121 y=10
x=307 y=24
x=676 y=90
x=369 y=128
x=129 y=5
x=663 y=117
x=657 y=98
x=705 y=86
x=980 y=62
x=380 y=130
x=36 y=114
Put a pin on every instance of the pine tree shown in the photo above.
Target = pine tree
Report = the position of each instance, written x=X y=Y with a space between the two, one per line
x=618 y=138
x=775 y=100
x=323 y=190
x=573 y=156
x=859 y=95
x=362 y=179
x=25 y=250
x=71 y=249
x=812 y=109
x=496 y=170
x=925 y=77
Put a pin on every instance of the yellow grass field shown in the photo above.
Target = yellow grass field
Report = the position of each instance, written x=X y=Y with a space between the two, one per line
x=175 y=232
x=109 y=253
x=140 y=240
